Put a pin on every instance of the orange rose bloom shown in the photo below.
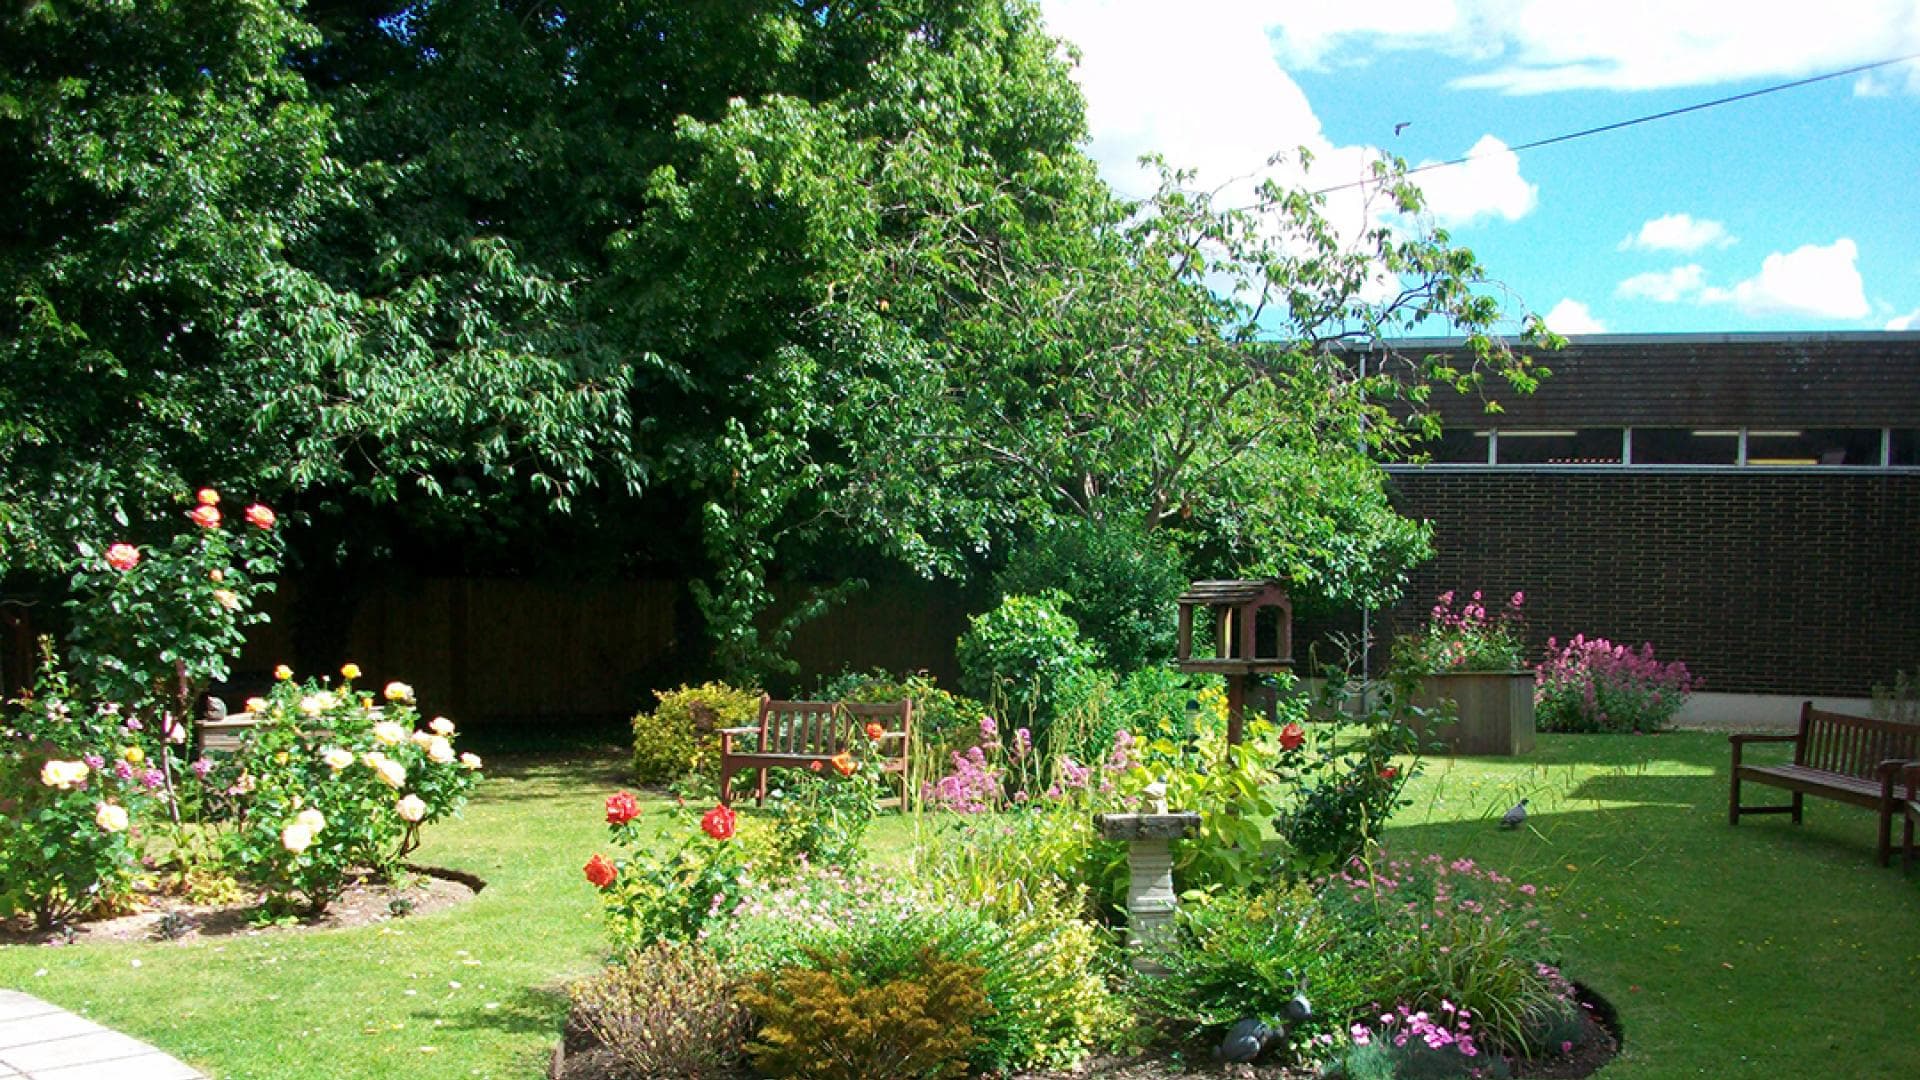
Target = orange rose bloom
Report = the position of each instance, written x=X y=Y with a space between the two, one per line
x=601 y=872
x=207 y=517
x=259 y=516
x=875 y=731
x=843 y=764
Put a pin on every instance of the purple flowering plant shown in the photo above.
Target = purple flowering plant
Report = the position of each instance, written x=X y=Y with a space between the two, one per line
x=1593 y=685
x=1466 y=635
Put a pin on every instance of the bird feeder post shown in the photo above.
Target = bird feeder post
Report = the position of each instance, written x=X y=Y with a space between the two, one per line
x=1240 y=650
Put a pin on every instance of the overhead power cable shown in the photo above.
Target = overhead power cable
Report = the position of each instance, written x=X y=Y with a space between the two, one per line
x=1649 y=118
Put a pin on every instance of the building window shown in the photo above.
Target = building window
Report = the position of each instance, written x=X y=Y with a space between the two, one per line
x=1686 y=446
x=1589 y=446
x=1457 y=446
x=1823 y=446
x=1903 y=446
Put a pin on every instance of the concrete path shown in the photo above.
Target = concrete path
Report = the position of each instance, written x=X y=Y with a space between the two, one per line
x=39 y=1041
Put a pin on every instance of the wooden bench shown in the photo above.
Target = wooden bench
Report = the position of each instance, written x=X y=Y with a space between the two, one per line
x=1910 y=810
x=1852 y=759
x=795 y=734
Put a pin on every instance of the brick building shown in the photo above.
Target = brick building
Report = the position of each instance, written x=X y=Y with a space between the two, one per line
x=1747 y=503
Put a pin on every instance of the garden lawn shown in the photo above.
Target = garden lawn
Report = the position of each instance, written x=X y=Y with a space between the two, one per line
x=1765 y=951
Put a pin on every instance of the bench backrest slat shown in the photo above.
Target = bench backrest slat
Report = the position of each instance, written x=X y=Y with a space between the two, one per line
x=822 y=728
x=1851 y=745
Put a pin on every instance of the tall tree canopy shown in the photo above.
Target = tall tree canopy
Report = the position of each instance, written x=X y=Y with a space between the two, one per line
x=832 y=272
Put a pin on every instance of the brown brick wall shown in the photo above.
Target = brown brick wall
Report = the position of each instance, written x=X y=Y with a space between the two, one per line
x=1788 y=583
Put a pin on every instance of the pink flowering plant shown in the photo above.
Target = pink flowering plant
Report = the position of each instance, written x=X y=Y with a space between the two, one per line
x=334 y=779
x=73 y=783
x=1454 y=933
x=1409 y=1042
x=1592 y=685
x=1465 y=635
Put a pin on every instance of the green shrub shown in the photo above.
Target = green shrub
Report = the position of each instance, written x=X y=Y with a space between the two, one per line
x=72 y=782
x=1347 y=782
x=672 y=885
x=667 y=1011
x=822 y=816
x=1455 y=934
x=678 y=736
x=832 y=1021
x=1120 y=585
x=1018 y=655
x=331 y=782
x=1245 y=955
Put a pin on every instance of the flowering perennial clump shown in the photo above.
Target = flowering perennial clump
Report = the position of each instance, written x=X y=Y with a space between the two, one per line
x=1463 y=635
x=1593 y=685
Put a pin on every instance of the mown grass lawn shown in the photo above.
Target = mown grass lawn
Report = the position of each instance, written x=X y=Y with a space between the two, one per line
x=1766 y=951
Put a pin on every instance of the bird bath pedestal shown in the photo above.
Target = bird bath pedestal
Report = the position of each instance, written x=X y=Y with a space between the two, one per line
x=1150 y=898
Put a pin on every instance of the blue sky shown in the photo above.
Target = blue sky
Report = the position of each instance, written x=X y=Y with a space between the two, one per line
x=1796 y=211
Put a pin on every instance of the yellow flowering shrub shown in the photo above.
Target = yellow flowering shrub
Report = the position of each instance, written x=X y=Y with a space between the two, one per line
x=678 y=736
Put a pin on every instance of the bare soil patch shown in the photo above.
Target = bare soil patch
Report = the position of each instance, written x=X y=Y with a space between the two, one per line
x=418 y=890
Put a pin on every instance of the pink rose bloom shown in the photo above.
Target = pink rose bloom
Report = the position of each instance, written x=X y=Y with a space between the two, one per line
x=123 y=556
x=260 y=517
x=207 y=517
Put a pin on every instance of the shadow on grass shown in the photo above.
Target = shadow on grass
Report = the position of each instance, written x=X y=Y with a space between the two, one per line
x=528 y=1010
x=514 y=777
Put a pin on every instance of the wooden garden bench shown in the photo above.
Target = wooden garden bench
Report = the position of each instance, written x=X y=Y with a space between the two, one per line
x=1910 y=811
x=795 y=734
x=1852 y=759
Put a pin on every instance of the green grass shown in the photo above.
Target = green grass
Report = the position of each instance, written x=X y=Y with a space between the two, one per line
x=1766 y=951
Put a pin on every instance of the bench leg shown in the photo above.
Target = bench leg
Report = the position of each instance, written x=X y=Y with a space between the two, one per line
x=726 y=783
x=1733 y=798
x=760 y=790
x=1906 y=846
x=1798 y=801
x=1886 y=837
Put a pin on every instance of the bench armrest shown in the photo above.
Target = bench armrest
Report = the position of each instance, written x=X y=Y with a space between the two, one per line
x=750 y=729
x=891 y=736
x=1738 y=740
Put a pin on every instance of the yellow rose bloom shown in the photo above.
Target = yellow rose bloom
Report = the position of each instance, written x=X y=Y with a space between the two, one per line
x=421 y=738
x=399 y=691
x=296 y=838
x=256 y=705
x=470 y=761
x=336 y=758
x=411 y=808
x=64 y=774
x=314 y=820
x=390 y=733
x=349 y=671
x=440 y=751
x=227 y=598
x=133 y=755
x=111 y=818
x=441 y=726
x=283 y=673
x=392 y=773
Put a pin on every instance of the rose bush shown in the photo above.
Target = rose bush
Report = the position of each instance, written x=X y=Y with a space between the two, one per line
x=327 y=782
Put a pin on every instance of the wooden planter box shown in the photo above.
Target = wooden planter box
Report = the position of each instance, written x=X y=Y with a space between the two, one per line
x=1494 y=710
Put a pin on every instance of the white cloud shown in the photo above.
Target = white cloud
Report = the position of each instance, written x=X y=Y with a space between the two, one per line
x=1665 y=286
x=1570 y=316
x=1821 y=282
x=1909 y=321
x=1678 y=232
x=1545 y=45
x=1489 y=185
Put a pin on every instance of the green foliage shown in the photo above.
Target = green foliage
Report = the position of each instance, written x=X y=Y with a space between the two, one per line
x=822 y=818
x=943 y=721
x=1019 y=655
x=1455 y=933
x=1242 y=955
x=1899 y=700
x=667 y=889
x=1231 y=787
x=1348 y=780
x=678 y=736
x=65 y=812
x=328 y=783
x=666 y=1011
x=1120 y=583
x=1150 y=704
x=829 y=1022
x=1004 y=864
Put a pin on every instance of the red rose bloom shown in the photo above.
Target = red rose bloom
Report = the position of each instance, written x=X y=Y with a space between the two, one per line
x=814 y=765
x=875 y=731
x=622 y=808
x=259 y=517
x=1389 y=773
x=601 y=872
x=1291 y=737
x=207 y=517
x=718 y=823
x=123 y=556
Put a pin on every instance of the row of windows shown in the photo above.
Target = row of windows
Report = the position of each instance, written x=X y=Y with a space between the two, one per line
x=1854 y=447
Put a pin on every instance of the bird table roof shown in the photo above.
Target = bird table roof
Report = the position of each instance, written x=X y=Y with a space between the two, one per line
x=1216 y=593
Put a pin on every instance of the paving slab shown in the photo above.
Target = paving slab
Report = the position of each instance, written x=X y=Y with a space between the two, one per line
x=41 y=1041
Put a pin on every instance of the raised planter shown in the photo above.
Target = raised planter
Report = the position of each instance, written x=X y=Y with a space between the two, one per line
x=1494 y=712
